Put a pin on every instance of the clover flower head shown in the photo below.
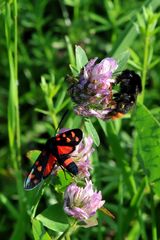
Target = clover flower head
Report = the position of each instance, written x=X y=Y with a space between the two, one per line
x=82 y=203
x=81 y=157
x=93 y=92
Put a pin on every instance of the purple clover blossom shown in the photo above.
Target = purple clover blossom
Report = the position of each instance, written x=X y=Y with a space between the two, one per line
x=82 y=203
x=93 y=92
x=81 y=157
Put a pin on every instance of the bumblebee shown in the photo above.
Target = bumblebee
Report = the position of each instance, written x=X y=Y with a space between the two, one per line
x=129 y=87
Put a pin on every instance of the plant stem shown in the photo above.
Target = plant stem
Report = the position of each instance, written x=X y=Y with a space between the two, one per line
x=13 y=103
x=69 y=231
x=120 y=214
x=120 y=156
x=144 y=78
x=16 y=81
x=51 y=111
x=154 y=229
x=145 y=63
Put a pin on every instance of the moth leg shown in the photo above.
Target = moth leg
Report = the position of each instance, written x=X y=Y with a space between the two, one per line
x=64 y=171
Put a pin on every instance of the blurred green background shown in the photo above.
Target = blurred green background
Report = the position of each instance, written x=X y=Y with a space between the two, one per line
x=36 y=50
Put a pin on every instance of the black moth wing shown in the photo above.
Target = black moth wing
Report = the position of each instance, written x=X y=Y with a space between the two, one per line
x=65 y=142
x=35 y=176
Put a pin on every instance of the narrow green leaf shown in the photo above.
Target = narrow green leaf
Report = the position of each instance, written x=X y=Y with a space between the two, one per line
x=120 y=155
x=148 y=129
x=39 y=232
x=92 y=131
x=19 y=229
x=127 y=38
x=54 y=218
x=103 y=126
x=11 y=208
x=125 y=41
x=70 y=50
x=135 y=231
x=63 y=179
x=122 y=60
x=74 y=70
x=42 y=111
x=81 y=58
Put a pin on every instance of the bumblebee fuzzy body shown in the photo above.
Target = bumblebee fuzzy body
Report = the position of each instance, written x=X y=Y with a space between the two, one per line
x=129 y=87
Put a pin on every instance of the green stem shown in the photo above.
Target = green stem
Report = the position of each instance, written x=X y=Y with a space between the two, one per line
x=51 y=111
x=11 y=108
x=67 y=233
x=142 y=225
x=76 y=9
x=135 y=204
x=17 y=117
x=37 y=197
x=16 y=81
x=70 y=51
x=154 y=228
x=5 y=201
x=144 y=77
x=13 y=103
x=120 y=214
x=145 y=64
x=120 y=156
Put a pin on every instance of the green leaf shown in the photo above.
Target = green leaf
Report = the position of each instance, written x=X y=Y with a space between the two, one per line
x=63 y=179
x=120 y=156
x=128 y=36
x=54 y=218
x=8 y=204
x=39 y=232
x=74 y=70
x=81 y=58
x=70 y=50
x=92 y=131
x=125 y=40
x=103 y=126
x=135 y=231
x=19 y=229
x=33 y=155
x=122 y=60
x=148 y=129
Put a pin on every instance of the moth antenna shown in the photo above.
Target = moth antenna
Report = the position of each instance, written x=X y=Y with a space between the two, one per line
x=59 y=125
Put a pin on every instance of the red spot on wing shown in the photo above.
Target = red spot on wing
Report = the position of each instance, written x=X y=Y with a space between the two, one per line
x=50 y=164
x=39 y=168
x=37 y=163
x=67 y=162
x=64 y=149
x=68 y=140
x=77 y=139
